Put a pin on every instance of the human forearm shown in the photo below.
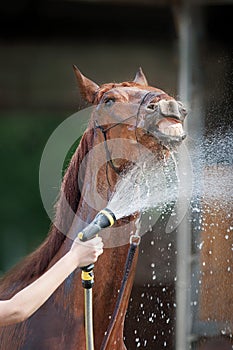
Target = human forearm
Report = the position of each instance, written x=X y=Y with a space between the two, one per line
x=28 y=300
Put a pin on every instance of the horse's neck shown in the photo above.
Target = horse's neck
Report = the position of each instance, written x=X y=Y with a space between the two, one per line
x=109 y=268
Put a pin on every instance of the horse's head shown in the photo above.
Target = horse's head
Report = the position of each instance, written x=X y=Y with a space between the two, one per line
x=136 y=111
x=134 y=125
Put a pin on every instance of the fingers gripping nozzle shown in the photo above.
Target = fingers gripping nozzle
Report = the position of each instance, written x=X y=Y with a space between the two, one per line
x=105 y=218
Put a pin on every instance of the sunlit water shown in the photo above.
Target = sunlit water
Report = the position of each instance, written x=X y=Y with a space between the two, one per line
x=213 y=160
x=149 y=184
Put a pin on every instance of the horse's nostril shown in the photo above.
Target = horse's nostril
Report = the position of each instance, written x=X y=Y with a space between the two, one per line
x=151 y=106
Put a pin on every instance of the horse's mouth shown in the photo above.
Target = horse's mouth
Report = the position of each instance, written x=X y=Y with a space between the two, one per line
x=169 y=131
x=170 y=127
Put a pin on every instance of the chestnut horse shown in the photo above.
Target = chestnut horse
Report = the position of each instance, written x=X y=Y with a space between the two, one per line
x=59 y=323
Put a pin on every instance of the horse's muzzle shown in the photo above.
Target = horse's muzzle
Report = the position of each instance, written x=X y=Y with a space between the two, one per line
x=164 y=120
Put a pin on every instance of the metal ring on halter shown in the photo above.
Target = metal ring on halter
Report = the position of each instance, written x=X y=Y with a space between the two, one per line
x=135 y=239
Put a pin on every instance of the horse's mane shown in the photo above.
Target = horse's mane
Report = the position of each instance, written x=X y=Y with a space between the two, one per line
x=35 y=264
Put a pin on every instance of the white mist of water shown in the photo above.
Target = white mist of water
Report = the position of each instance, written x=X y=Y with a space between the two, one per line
x=147 y=184
x=213 y=170
x=150 y=184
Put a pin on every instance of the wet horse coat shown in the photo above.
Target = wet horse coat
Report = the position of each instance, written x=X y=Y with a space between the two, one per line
x=59 y=323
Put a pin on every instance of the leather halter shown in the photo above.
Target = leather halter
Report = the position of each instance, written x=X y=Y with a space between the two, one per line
x=147 y=96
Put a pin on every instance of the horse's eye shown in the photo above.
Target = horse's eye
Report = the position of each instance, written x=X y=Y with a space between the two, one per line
x=109 y=101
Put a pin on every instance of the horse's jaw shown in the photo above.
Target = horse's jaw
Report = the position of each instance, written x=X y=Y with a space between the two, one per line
x=169 y=132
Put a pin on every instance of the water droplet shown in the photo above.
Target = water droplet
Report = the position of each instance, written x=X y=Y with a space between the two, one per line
x=201 y=245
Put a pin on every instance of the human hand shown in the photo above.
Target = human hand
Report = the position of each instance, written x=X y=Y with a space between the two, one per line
x=87 y=252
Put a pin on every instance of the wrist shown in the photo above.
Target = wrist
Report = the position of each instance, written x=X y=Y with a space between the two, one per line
x=72 y=259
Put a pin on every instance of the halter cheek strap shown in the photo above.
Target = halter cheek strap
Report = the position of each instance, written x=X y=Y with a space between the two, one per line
x=108 y=155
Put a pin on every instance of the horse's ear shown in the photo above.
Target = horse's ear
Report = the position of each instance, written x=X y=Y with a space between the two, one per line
x=140 y=77
x=87 y=87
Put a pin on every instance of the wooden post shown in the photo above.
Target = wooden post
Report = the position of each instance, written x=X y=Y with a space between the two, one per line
x=189 y=24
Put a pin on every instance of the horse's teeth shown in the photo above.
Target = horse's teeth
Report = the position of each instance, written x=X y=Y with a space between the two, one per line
x=173 y=130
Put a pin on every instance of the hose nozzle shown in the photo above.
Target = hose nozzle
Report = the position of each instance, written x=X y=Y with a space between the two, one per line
x=105 y=218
